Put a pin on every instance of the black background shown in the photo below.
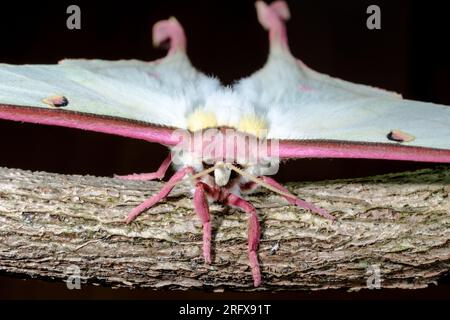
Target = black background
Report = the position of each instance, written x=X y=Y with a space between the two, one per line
x=409 y=55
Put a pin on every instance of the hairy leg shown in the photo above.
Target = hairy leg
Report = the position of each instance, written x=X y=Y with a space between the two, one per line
x=248 y=187
x=296 y=201
x=177 y=177
x=253 y=234
x=202 y=210
x=158 y=174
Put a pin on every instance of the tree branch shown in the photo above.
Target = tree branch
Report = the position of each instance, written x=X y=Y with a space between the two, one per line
x=398 y=223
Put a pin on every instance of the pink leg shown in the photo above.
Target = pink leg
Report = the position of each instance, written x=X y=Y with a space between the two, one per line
x=178 y=176
x=248 y=187
x=297 y=201
x=253 y=234
x=201 y=207
x=158 y=174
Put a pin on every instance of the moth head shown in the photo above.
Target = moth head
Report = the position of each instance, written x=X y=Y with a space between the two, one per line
x=225 y=173
x=221 y=172
x=221 y=148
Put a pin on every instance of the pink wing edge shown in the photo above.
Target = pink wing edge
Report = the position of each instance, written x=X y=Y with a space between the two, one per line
x=272 y=17
x=91 y=122
x=171 y=29
x=163 y=30
x=165 y=136
x=360 y=150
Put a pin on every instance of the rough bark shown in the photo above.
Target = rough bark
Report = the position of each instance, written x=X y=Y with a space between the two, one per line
x=398 y=223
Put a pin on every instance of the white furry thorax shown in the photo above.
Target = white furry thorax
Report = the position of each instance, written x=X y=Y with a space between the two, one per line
x=215 y=146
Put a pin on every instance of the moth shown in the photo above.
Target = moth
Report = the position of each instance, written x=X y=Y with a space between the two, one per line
x=227 y=141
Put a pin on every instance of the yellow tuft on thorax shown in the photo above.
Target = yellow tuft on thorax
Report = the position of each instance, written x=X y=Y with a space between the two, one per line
x=201 y=119
x=254 y=125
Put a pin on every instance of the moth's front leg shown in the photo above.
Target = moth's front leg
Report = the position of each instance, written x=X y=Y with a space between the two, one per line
x=202 y=210
x=158 y=174
x=296 y=201
x=177 y=177
x=253 y=234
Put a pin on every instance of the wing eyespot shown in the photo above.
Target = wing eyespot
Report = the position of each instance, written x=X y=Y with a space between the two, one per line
x=56 y=101
x=399 y=136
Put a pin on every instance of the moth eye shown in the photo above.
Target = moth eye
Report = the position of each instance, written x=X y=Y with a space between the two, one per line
x=206 y=165
x=400 y=136
x=234 y=174
x=56 y=101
